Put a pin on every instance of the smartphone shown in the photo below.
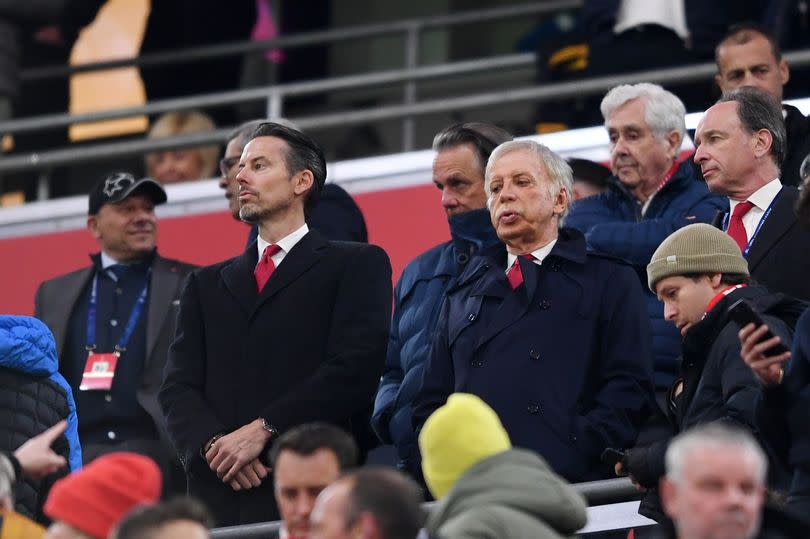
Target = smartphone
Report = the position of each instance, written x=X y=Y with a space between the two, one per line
x=611 y=456
x=743 y=314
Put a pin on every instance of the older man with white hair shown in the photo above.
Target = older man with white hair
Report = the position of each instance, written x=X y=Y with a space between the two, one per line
x=555 y=339
x=652 y=195
x=715 y=484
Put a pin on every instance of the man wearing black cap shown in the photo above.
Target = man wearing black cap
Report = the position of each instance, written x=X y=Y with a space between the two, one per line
x=114 y=321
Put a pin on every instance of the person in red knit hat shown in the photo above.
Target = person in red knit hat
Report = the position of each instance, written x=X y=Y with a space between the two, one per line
x=89 y=503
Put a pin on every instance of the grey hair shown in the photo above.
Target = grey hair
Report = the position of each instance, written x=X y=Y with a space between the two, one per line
x=559 y=171
x=760 y=110
x=663 y=111
x=7 y=478
x=712 y=435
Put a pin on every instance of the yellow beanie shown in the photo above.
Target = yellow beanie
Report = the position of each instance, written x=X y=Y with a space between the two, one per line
x=455 y=437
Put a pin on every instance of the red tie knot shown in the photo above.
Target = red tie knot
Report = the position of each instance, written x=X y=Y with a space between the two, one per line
x=742 y=208
x=269 y=251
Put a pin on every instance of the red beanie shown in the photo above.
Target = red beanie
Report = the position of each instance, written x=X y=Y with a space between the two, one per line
x=95 y=498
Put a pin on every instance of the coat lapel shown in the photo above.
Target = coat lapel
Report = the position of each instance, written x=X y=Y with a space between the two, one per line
x=63 y=304
x=513 y=303
x=775 y=226
x=239 y=280
x=303 y=255
x=165 y=280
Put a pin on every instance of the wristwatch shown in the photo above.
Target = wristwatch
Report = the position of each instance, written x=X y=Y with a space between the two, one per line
x=269 y=428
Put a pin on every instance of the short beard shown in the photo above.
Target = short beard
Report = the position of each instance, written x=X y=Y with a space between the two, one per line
x=251 y=214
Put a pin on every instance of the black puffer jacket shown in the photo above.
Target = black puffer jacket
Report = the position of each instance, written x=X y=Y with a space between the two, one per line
x=33 y=397
x=717 y=385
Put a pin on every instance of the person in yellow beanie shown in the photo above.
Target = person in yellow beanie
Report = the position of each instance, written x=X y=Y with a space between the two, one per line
x=698 y=272
x=484 y=487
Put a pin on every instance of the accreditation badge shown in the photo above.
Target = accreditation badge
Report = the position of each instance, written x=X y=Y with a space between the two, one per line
x=99 y=371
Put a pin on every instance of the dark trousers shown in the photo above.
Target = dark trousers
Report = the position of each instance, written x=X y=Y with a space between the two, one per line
x=174 y=478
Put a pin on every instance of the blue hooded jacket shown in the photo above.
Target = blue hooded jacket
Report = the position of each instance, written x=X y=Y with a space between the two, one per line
x=27 y=345
x=613 y=224
x=418 y=298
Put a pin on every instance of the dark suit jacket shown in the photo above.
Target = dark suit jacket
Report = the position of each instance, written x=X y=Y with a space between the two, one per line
x=310 y=347
x=56 y=298
x=780 y=255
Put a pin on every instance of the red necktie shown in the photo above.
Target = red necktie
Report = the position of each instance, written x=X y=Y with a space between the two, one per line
x=515 y=274
x=265 y=267
x=735 y=225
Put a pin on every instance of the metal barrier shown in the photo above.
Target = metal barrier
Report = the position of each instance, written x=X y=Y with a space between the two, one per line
x=74 y=155
x=411 y=28
x=597 y=493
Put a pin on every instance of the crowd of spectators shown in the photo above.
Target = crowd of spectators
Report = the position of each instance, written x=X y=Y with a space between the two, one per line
x=651 y=322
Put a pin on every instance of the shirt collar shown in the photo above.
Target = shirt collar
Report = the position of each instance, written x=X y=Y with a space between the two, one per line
x=762 y=197
x=107 y=260
x=538 y=254
x=286 y=243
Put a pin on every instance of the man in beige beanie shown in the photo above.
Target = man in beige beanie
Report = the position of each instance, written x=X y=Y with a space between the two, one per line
x=698 y=272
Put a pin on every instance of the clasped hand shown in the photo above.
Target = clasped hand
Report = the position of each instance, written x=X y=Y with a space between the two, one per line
x=234 y=457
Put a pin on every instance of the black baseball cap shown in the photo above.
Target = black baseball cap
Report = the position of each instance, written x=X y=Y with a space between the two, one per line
x=117 y=186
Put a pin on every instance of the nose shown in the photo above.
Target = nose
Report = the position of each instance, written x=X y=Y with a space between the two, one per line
x=223 y=182
x=304 y=505
x=669 y=311
x=449 y=200
x=618 y=147
x=700 y=155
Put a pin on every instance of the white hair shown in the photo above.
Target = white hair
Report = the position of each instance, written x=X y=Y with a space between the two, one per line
x=663 y=111
x=559 y=171
x=712 y=435
x=7 y=479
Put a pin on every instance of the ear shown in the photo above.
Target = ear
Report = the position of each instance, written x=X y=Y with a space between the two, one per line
x=763 y=140
x=666 y=489
x=718 y=80
x=674 y=141
x=715 y=280
x=561 y=202
x=784 y=71
x=92 y=226
x=303 y=181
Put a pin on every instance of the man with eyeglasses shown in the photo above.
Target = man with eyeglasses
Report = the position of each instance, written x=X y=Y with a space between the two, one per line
x=337 y=216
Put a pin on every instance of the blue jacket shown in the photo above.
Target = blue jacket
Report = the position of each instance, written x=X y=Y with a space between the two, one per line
x=28 y=346
x=564 y=360
x=613 y=224
x=782 y=414
x=417 y=300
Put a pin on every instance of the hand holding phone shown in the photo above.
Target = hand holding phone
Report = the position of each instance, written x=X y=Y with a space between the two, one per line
x=760 y=349
x=743 y=314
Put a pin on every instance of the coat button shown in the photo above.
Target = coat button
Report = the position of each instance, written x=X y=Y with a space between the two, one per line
x=476 y=363
x=108 y=397
x=534 y=354
x=545 y=305
x=471 y=317
x=533 y=409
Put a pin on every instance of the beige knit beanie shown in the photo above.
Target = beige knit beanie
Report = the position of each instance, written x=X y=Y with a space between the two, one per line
x=698 y=248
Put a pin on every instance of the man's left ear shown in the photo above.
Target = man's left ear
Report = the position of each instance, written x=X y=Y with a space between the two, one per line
x=304 y=181
x=763 y=142
x=561 y=201
x=674 y=141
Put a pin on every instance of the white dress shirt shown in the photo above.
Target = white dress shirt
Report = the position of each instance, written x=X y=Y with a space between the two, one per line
x=667 y=13
x=286 y=244
x=538 y=255
x=761 y=199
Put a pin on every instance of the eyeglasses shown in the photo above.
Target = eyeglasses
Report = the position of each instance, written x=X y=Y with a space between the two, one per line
x=226 y=164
